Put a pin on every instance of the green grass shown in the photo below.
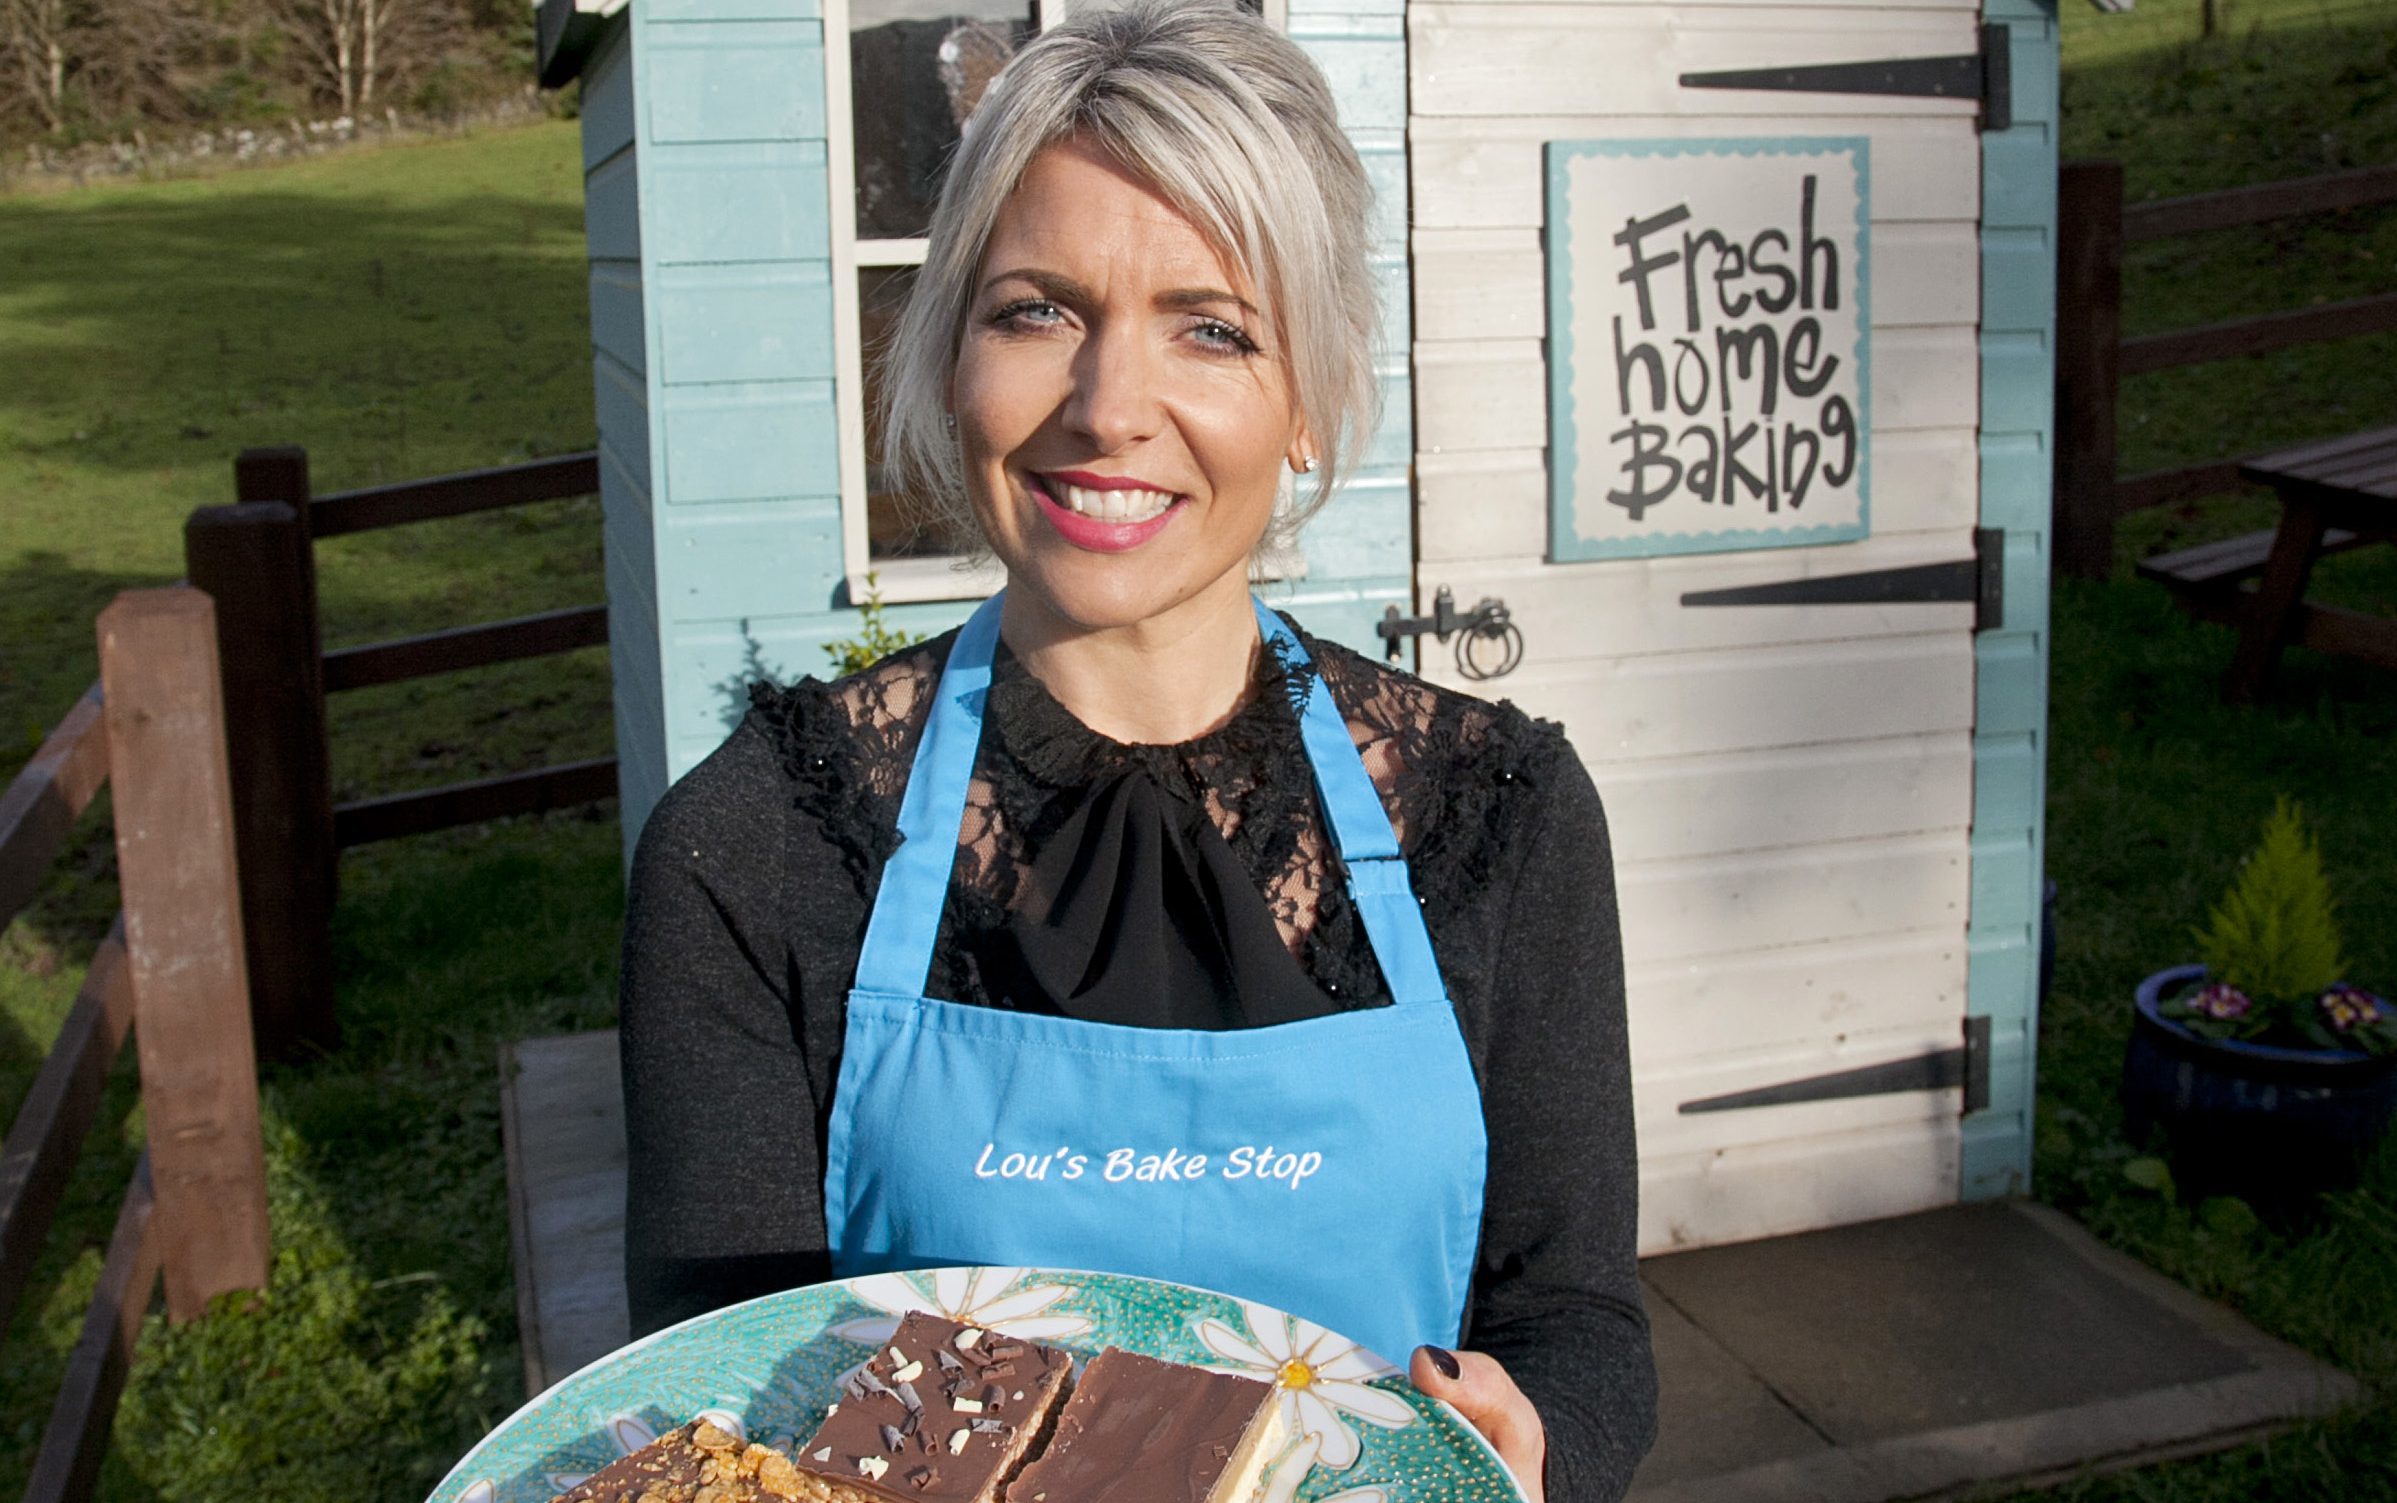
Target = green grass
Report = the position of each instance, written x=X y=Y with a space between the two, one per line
x=2155 y=792
x=418 y=309
x=2289 y=89
x=402 y=312
x=385 y=1345
x=2155 y=789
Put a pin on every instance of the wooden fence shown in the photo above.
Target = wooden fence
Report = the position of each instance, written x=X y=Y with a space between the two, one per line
x=171 y=972
x=2092 y=357
x=258 y=559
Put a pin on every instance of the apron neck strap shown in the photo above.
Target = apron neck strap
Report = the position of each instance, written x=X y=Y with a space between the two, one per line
x=896 y=959
x=1377 y=874
x=905 y=923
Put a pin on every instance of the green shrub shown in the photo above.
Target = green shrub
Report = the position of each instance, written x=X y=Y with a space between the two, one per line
x=2275 y=934
x=876 y=639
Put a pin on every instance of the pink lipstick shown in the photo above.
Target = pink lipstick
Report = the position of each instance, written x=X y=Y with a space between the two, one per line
x=1097 y=534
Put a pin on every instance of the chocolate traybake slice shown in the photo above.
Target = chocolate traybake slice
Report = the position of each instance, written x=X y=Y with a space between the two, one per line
x=1142 y=1431
x=945 y=1413
x=695 y=1462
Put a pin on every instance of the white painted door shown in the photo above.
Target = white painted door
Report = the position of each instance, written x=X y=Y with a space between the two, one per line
x=1789 y=787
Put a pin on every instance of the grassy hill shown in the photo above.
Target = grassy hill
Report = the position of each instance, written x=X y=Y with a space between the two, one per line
x=401 y=312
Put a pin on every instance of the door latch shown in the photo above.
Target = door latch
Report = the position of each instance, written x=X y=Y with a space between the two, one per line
x=1489 y=644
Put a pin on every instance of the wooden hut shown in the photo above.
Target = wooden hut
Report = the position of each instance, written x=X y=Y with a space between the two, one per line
x=1719 y=352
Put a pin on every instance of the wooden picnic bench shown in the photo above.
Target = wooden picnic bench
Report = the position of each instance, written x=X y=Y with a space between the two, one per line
x=2335 y=494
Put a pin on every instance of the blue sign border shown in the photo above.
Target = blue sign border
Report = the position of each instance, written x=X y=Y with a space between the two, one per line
x=1565 y=543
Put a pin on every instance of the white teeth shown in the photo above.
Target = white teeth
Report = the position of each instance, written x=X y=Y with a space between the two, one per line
x=1114 y=506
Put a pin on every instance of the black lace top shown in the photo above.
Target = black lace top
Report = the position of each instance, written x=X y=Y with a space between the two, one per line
x=755 y=873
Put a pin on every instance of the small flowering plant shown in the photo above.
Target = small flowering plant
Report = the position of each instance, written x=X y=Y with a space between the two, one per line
x=2271 y=949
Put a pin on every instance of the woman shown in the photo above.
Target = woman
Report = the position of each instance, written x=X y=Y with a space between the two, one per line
x=1130 y=866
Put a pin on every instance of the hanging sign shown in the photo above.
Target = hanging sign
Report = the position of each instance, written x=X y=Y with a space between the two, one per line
x=1708 y=345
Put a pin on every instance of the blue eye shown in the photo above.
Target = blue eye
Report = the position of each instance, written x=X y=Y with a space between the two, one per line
x=1031 y=312
x=1225 y=337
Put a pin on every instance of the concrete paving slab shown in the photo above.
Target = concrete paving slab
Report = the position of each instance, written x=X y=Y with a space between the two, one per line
x=1714 y=1414
x=1977 y=1419
x=1951 y=1317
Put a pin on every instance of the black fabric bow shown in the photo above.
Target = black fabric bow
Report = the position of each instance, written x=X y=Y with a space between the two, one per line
x=1137 y=912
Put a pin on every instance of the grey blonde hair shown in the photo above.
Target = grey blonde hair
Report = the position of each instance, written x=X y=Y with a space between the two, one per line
x=1235 y=127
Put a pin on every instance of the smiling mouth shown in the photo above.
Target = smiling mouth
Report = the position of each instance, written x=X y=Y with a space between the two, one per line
x=1113 y=505
x=1110 y=519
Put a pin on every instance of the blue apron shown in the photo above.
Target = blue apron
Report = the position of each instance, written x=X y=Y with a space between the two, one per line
x=1331 y=1167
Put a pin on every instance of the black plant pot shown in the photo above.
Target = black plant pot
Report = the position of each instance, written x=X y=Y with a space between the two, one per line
x=2246 y=1119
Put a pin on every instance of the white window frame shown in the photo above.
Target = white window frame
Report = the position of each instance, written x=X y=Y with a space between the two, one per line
x=897 y=580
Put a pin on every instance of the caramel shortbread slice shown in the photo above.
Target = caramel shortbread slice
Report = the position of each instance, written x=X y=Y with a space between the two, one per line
x=1142 y=1431
x=697 y=1463
x=944 y=1413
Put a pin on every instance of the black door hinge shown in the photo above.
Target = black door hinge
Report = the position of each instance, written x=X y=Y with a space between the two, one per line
x=1980 y=579
x=1966 y=1065
x=1986 y=75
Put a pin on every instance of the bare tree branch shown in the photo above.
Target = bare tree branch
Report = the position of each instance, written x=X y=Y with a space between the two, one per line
x=34 y=35
x=361 y=49
x=113 y=66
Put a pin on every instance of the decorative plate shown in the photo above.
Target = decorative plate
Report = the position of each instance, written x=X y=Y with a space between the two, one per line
x=766 y=1369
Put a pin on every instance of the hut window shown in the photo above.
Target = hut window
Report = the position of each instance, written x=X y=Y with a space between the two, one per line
x=893 y=528
x=898 y=95
x=917 y=68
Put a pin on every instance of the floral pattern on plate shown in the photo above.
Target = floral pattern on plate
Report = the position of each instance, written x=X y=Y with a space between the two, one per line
x=766 y=1369
x=1324 y=1379
x=975 y=1296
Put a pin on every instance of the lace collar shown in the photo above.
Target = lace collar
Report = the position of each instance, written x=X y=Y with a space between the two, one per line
x=1049 y=744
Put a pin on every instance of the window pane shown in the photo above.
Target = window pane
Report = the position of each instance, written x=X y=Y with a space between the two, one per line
x=895 y=526
x=917 y=69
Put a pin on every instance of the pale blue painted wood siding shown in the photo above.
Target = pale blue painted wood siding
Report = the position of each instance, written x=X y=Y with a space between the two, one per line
x=619 y=378
x=745 y=531
x=737 y=571
x=2018 y=326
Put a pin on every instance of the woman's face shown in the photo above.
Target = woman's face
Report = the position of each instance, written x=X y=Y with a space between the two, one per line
x=1123 y=410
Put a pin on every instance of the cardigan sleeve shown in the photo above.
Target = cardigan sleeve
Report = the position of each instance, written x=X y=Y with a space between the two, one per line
x=723 y=1195
x=1557 y=1293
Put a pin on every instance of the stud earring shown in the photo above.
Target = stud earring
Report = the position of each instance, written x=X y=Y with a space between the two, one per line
x=1306 y=464
x=948 y=422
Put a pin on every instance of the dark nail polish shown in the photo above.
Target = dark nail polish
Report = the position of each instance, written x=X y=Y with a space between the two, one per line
x=1445 y=1361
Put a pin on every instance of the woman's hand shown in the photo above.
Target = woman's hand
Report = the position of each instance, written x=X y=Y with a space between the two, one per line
x=1485 y=1395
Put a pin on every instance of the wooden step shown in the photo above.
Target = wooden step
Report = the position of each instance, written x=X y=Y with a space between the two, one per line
x=562 y=1126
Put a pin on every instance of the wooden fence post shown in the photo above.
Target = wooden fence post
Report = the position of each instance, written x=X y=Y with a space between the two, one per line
x=2088 y=364
x=257 y=561
x=183 y=941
